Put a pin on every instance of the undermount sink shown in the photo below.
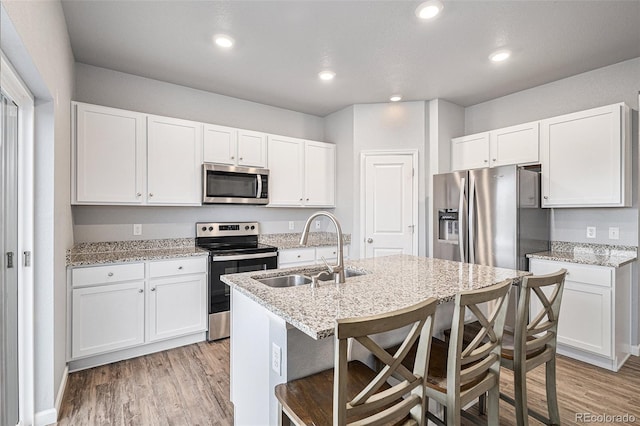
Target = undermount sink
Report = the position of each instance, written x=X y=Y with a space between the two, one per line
x=298 y=279
x=286 y=281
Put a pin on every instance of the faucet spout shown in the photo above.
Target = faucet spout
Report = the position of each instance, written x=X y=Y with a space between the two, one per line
x=337 y=270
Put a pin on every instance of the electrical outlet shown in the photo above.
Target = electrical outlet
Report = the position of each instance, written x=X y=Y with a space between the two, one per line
x=614 y=233
x=276 y=358
x=591 y=231
x=291 y=225
x=317 y=224
x=137 y=229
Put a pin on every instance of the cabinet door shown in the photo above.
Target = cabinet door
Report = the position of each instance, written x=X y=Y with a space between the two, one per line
x=515 y=145
x=109 y=155
x=296 y=257
x=286 y=179
x=177 y=306
x=252 y=148
x=174 y=161
x=320 y=174
x=219 y=144
x=106 y=318
x=470 y=152
x=585 y=158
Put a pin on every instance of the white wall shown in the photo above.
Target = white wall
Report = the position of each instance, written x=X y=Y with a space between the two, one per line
x=389 y=126
x=44 y=54
x=115 y=89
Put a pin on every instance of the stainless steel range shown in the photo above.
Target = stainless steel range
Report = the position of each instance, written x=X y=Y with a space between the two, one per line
x=233 y=247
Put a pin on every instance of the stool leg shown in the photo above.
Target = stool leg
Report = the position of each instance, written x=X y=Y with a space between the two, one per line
x=520 y=394
x=552 y=397
x=493 y=406
x=482 y=404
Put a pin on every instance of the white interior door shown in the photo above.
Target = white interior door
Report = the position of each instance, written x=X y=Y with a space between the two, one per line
x=389 y=205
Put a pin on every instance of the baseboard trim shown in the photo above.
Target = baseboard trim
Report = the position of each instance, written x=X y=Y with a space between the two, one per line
x=635 y=350
x=61 y=389
x=46 y=417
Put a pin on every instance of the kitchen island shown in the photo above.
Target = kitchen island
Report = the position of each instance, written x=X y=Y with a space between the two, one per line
x=280 y=334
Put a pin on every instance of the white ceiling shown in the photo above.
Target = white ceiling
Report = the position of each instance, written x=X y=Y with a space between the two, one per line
x=376 y=48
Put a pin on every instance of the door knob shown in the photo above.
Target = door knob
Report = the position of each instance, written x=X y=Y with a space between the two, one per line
x=369 y=240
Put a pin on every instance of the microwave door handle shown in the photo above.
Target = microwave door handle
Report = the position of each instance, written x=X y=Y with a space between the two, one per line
x=259 y=189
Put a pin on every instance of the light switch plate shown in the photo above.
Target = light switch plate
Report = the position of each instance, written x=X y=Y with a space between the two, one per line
x=591 y=231
x=614 y=233
x=291 y=225
x=317 y=224
x=276 y=358
x=137 y=229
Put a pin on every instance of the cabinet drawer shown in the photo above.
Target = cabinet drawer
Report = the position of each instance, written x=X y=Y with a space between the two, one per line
x=178 y=267
x=297 y=255
x=106 y=274
x=587 y=274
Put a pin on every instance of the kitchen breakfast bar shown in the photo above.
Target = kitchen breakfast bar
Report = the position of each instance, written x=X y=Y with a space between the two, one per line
x=280 y=334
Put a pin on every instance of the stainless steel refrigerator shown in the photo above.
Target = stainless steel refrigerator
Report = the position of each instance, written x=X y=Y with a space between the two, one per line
x=489 y=216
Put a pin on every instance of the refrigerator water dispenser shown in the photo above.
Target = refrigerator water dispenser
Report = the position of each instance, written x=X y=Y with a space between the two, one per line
x=448 y=225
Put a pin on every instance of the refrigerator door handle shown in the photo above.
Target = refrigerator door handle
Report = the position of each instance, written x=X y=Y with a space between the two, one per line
x=472 y=219
x=461 y=216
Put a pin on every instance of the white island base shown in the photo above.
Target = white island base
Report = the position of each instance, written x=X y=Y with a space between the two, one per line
x=266 y=351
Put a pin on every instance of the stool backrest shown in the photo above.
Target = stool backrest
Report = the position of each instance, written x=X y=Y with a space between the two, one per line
x=535 y=331
x=371 y=406
x=469 y=363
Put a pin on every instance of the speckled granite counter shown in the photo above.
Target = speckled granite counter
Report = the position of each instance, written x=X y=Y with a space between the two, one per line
x=85 y=254
x=391 y=283
x=588 y=254
x=292 y=240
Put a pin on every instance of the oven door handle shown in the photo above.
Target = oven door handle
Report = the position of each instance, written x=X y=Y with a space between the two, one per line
x=244 y=256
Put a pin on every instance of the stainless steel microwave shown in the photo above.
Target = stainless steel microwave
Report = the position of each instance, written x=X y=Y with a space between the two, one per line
x=234 y=185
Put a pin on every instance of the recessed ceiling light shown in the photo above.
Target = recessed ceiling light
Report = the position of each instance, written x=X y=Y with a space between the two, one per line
x=395 y=98
x=500 y=55
x=429 y=9
x=223 y=40
x=326 y=75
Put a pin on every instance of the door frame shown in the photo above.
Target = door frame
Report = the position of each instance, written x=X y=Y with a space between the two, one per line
x=17 y=90
x=416 y=175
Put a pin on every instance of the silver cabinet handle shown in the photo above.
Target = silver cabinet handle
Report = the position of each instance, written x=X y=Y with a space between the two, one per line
x=298 y=256
x=110 y=274
x=369 y=240
x=486 y=161
x=232 y=157
x=141 y=291
x=150 y=194
x=139 y=194
x=307 y=199
x=153 y=289
x=545 y=197
x=300 y=199
x=494 y=159
x=180 y=268
x=240 y=158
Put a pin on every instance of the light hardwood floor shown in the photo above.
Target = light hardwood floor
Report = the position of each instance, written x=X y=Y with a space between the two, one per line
x=190 y=386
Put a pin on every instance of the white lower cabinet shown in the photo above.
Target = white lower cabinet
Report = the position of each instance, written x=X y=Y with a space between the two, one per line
x=595 y=313
x=120 y=311
x=309 y=256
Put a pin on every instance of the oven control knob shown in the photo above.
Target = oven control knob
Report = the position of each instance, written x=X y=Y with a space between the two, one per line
x=204 y=228
x=246 y=228
x=211 y=228
x=253 y=227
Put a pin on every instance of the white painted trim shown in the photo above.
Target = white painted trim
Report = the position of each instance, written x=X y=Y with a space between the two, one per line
x=46 y=417
x=61 y=389
x=416 y=177
x=635 y=350
x=17 y=90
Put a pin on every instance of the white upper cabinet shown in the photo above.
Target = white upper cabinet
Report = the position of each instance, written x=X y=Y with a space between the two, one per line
x=586 y=158
x=320 y=174
x=510 y=145
x=286 y=171
x=109 y=156
x=470 y=152
x=174 y=160
x=301 y=173
x=237 y=147
x=125 y=157
x=514 y=145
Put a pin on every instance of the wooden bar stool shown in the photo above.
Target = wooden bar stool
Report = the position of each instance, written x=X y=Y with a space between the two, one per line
x=535 y=342
x=354 y=394
x=473 y=368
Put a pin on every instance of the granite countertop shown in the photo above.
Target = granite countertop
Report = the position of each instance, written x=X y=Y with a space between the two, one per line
x=588 y=254
x=292 y=240
x=391 y=283
x=85 y=254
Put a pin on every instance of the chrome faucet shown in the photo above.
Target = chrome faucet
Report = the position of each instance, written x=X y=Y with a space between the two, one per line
x=336 y=270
